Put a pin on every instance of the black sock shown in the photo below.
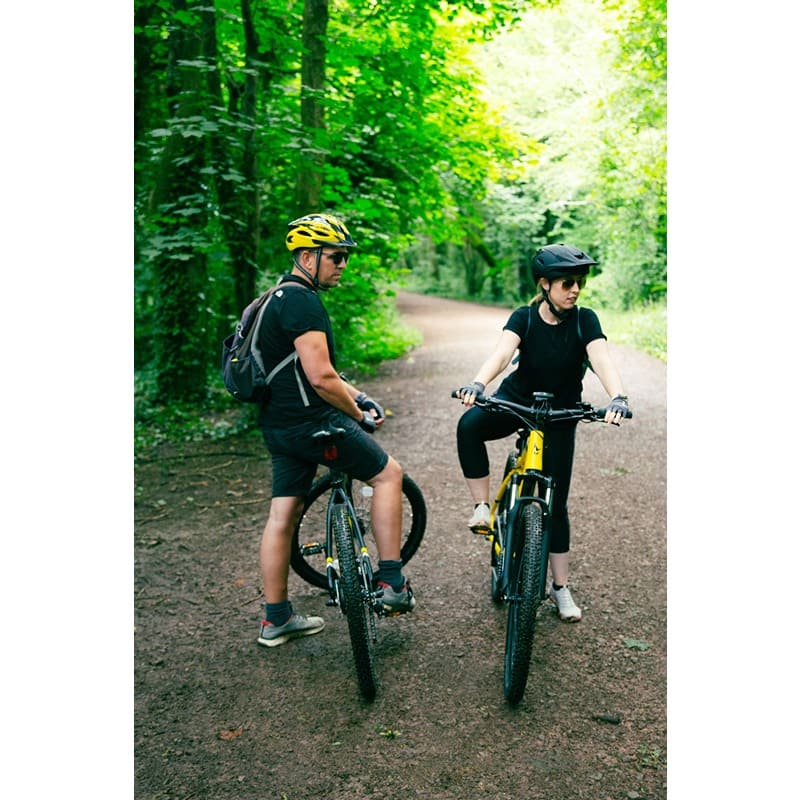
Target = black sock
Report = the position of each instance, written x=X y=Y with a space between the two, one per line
x=556 y=587
x=391 y=572
x=278 y=613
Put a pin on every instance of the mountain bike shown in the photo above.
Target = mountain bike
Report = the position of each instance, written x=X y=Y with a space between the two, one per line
x=519 y=529
x=330 y=549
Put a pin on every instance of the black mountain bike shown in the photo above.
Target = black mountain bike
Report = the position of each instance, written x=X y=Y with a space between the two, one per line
x=331 y=546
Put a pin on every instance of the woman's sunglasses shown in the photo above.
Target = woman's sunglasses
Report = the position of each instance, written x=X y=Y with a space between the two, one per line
x=337 y=258
x=568 y=283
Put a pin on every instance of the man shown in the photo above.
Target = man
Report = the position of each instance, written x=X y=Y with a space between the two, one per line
x=308 y=394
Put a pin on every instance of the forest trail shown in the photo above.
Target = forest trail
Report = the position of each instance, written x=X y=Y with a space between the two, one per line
x=218 y=717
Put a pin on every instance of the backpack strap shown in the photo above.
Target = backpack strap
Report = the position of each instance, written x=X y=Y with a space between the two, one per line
x=580 y=335
x=254 y=348
x=586 y=363
x=527 y=328
x=290 y=359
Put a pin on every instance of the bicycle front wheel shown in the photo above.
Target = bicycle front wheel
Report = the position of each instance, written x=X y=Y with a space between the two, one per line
x=352 y=602
x=308 y=552
x=523 y=601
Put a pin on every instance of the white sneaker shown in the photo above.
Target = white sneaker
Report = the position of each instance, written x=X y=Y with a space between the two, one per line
x=480 y=521
x=567 y=609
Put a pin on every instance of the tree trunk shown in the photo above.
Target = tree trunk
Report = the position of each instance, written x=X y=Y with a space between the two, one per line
x=251 y=199
x=239 y=202
x=312 y=110
x=179 y=203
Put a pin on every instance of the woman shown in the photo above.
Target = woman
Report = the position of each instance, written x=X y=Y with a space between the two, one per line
x=553 y=343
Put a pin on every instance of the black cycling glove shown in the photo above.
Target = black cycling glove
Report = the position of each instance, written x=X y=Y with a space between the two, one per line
x=368 y=422
x=367 y=404
x=619 y=405
x=476 y=387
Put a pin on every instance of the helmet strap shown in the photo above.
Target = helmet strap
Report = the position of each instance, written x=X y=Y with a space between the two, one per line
x=317 y=284
x=313 y=278
x=559 y=315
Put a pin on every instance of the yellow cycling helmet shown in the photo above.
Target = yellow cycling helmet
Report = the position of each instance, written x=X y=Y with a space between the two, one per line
x=316 y=230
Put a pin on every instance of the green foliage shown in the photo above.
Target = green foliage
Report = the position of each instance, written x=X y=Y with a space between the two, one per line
x=368 y=330
x=644 y=328
x=593 y=169
x=448 y=174
x=651 y=757
x=217 y=417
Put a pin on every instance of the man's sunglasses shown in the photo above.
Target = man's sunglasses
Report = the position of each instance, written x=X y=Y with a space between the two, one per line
x=337 y=258
x=568 y=283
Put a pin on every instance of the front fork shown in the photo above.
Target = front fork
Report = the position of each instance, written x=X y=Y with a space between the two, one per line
x=520 y=489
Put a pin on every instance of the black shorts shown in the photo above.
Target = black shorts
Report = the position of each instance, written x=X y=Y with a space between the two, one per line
x=296 y=455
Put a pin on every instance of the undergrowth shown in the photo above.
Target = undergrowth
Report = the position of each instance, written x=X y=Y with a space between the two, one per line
x=220 y=416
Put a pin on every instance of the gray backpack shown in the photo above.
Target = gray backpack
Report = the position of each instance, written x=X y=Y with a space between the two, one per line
x=243 y=371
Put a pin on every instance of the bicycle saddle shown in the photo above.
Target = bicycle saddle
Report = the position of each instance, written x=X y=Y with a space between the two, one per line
x=332 y=433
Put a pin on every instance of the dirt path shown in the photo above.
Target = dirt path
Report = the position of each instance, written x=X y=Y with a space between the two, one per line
x=219 y=717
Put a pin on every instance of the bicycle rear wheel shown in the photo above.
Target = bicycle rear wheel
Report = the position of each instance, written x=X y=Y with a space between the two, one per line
x=523 y=601
x=352 y=602
x=308 y=552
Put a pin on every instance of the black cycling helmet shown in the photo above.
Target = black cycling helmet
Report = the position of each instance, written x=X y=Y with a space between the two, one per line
x=559 y=260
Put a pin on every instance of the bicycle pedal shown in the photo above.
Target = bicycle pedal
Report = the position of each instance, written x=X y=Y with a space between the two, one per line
x=481 y=530
x=312 y=549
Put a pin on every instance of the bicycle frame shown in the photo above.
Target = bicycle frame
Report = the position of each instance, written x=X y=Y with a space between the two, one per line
x=340 y=495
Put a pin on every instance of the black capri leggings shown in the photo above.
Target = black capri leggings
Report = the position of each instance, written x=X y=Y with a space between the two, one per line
x=476 y=427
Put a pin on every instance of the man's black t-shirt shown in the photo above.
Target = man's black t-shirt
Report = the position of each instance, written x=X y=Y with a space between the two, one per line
x=551 y=356
x=294 y=309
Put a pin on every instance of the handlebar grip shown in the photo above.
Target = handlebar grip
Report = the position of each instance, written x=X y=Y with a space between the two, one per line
x=601 y=412
x=478 y=397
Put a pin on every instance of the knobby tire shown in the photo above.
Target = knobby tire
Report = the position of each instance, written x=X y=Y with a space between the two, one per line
x=311 y=528
x=352 y=603
x=523 y=591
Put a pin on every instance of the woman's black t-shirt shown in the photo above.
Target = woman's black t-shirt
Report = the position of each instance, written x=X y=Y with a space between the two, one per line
x=550 y=356
x=294 y=309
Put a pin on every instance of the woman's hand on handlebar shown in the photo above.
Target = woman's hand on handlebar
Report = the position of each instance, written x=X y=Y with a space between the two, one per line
x=617 y=410
x=469 y=392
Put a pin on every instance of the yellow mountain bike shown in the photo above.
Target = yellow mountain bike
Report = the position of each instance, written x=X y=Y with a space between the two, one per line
x=519 y=532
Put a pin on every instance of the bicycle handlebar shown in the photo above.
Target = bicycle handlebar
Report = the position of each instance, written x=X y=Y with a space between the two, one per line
x=541 y=412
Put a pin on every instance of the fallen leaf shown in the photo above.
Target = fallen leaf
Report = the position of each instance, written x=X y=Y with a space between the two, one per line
x=231 y=733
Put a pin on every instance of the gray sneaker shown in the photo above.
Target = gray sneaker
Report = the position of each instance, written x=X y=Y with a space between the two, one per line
x=397 y=602
x=297 y=625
